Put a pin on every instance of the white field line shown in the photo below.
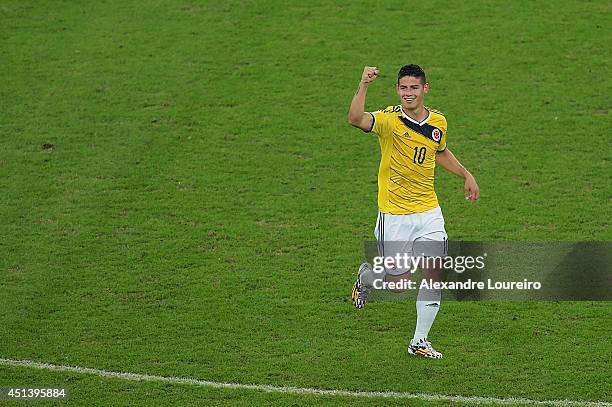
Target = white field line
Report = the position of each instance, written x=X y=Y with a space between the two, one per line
x=296 y=390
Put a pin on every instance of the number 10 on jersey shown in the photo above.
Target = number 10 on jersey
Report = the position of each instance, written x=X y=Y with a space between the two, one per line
x=419 y=155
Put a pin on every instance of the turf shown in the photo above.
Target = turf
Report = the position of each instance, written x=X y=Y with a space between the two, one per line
x=181 y=194
x=113 y=392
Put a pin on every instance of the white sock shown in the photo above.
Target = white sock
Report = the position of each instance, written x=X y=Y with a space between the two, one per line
x=427 y=305
x=368 y=276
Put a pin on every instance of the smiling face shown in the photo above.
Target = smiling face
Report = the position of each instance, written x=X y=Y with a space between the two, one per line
x=411 y=91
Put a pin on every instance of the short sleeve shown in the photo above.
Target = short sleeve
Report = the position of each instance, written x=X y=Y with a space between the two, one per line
x=442 y=145
x=380 y=123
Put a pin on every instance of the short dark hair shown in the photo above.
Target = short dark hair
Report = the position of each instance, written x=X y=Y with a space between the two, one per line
x=412 y=70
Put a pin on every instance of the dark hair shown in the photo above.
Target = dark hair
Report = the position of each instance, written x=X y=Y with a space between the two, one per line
x=412 y=70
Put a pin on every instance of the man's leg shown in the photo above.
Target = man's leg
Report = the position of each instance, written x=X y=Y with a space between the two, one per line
x=432 y=249
x=427 y=304
x=386 y=230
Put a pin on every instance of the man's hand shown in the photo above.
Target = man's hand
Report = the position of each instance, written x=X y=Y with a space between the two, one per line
x=472 y=192
x=370 y=73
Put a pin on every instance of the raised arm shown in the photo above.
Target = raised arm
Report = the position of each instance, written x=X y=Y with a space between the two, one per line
x=357 y=116
x=448 y=161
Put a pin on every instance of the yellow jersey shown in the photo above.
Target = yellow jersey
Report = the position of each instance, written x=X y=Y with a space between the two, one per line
x=408 y=159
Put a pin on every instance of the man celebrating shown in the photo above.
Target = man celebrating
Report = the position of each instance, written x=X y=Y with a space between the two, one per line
x=412 y=140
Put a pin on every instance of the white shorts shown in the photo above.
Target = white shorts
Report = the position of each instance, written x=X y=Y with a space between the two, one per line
x=419 y=234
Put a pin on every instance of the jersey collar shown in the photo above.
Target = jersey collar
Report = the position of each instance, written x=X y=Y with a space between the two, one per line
x=414 y=121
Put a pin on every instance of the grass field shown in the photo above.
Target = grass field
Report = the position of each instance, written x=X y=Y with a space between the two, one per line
x=182 y=196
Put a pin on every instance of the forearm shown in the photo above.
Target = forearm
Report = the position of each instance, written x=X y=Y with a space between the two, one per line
x=447 y=160
x=358 y=103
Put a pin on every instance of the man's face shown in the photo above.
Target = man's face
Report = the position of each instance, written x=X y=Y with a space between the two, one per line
x=411 y=92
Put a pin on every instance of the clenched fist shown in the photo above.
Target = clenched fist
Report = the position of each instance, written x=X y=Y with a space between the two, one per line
x=370 y=73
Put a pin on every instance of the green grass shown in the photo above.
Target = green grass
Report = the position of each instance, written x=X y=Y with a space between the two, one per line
x=90 y=390
x=203 y=207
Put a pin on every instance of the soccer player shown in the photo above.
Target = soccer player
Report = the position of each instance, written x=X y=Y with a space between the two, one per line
x=412 y=141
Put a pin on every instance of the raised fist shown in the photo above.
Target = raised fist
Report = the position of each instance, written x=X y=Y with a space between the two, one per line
x=370 y=73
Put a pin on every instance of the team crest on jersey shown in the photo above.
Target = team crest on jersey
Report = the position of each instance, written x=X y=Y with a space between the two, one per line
x=436 y=134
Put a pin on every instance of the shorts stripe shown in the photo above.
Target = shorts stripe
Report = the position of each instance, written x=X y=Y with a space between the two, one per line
x=378 y=233
x=382 y=235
